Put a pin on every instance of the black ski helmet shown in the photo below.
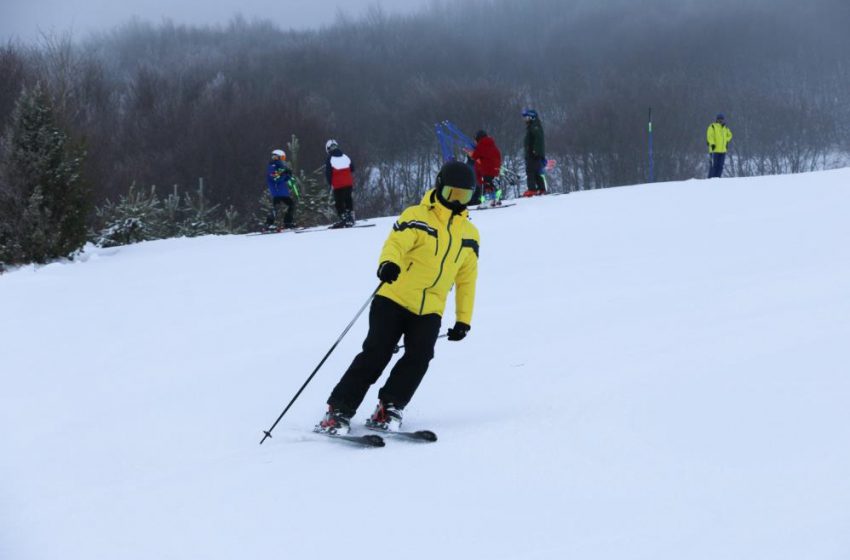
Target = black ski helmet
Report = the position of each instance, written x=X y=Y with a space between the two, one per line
x=480 y=134
x=458 y=175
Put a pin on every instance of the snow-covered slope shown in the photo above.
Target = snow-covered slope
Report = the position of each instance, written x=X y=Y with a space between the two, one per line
x=654 y=372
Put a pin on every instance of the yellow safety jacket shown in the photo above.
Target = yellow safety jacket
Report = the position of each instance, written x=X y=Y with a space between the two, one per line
x=718 y=135
x=435 y=249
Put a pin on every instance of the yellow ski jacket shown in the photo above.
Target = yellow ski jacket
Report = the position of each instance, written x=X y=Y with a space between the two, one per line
x=435 y=250
x=718 y=135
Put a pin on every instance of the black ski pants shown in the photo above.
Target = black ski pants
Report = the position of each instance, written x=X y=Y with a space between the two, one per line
x=343 y=201
x=287 y=217
x=534 y=174
x=388 y=321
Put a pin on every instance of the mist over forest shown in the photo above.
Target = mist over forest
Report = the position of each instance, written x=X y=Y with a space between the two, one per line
x=168 y=104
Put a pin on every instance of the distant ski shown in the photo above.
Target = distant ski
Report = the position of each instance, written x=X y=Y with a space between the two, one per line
x=331 y=228
x=270 y=232
x=493 y=207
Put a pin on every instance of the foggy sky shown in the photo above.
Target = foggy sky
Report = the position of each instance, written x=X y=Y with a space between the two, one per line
x=25 y=20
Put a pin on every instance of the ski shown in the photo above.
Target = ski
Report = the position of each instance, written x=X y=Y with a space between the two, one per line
x=425 y=436
x=493 y=207
x=369 y=440
x=332 y=228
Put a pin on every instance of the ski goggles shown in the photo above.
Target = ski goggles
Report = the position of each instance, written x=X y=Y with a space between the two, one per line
x=457 y=194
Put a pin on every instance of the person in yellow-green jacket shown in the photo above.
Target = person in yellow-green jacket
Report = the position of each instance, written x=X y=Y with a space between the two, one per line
x=717 y=137
x=432 y=247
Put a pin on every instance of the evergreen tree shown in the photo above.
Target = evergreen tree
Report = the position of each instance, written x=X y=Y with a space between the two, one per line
x=231 y=223
x=171 y=215
x=315 y=203
x=43 y=199
x=200 y=217
x=264 y=208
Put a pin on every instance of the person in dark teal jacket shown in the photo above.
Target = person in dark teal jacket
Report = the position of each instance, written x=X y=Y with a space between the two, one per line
x=535 y=154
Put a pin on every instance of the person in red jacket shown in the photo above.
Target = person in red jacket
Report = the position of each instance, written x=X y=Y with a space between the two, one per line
x=339 y=172
x=488 y=163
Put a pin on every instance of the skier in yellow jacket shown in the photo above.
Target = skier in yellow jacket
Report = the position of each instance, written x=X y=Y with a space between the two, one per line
x=717 y=137
x=432 y=247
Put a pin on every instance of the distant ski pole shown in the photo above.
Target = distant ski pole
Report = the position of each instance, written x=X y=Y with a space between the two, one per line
x=268 y=433
x=651 y=163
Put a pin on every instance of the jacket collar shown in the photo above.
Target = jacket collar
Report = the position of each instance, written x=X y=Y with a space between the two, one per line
x=443 y=213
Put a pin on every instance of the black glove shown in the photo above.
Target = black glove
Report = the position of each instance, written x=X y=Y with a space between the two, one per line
x=388 y=272
x=712 y=147
x=458 y=332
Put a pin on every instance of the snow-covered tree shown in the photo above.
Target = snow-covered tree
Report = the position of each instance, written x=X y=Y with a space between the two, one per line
x=138 y=216
x=142 y=216
x=199 y=215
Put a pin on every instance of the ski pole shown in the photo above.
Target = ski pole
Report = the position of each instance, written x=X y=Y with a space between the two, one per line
x=651 y=163
x=399 y=347
x=268 y=433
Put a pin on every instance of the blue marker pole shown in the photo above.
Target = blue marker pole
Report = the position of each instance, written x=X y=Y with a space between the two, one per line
x=651 y=170
x=444 y=147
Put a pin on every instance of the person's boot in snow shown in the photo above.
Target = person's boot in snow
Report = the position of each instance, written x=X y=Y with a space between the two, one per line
x=387 y=418
x=335 y=423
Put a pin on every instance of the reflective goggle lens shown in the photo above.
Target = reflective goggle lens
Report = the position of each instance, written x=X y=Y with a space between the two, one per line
x=457 y=194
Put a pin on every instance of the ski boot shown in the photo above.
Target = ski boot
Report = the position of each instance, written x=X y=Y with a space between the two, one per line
x=335 y=423
x=386 y=418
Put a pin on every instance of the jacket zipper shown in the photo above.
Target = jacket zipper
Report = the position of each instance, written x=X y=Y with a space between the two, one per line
x=442 y=262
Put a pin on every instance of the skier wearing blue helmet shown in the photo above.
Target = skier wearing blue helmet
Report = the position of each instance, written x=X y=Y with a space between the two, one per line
x=535 y=154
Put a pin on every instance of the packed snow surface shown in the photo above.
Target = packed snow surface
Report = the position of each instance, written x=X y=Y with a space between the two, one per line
x=653 y=372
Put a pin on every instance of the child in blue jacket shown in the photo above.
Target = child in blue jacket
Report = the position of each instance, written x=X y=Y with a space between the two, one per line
x=277 y=178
